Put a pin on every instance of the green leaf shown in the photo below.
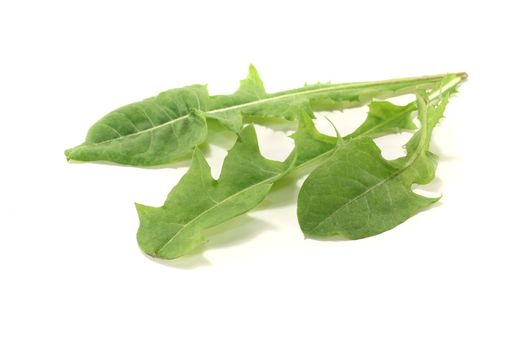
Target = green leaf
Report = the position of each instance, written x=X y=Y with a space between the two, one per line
x=167 y=127
x=386 y=118
x=357 y=193
x=198 y=201
x=134 y=135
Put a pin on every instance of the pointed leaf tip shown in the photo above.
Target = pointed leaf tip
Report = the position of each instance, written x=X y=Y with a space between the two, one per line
x=337 y=134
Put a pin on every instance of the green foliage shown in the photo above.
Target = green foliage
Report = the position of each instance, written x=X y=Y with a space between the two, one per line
x=165 y=128
x=353 y=193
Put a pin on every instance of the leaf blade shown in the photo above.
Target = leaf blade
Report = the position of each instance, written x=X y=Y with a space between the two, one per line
x=165 y=121
x=357 y=193
x=198 y=201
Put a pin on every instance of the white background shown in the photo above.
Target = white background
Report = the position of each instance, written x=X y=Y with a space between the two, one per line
x=71 y=273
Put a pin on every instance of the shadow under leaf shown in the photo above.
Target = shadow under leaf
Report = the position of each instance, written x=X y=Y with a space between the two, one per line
x=284 y=192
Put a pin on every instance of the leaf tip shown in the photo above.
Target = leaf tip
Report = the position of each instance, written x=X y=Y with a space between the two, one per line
x=463 y=75
x=141 y=210
x=338 y=135
x=253 y=72
x=437 y=198
x=69 y=153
